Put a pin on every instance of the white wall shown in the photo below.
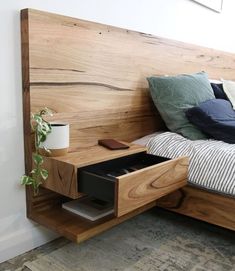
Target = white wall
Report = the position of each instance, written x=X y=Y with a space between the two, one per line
x=177 y=19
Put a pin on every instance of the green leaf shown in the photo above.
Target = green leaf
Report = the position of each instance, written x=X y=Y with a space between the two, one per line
x=44 y=174
x=37 y=158
x=35 y=186
x=24 y=179
x=39 y=128
x=49 y=126
x=42 y=138
x=35 y=171
x=46 y=127
x=44 y=132
x=27 y=180
x=37 y=118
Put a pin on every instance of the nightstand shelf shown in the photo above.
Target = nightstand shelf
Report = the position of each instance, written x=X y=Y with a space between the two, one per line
x=78 y=174
x=76 y=228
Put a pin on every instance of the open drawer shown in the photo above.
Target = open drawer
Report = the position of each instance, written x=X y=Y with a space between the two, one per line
x=133 y=181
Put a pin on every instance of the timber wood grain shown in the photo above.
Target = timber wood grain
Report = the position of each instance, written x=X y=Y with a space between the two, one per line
x=46 y=199
x=97 y=154
x=201 y=204
x=99 y=112
x=94 y=77
x=143 y=186
x=76 y=228
x=62 y=178
x=100 y=70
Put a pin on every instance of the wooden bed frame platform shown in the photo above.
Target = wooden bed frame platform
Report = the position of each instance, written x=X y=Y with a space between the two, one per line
x=201 y=204
x=94 y=77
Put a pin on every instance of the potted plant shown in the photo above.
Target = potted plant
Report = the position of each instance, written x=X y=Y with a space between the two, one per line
x=41 y=129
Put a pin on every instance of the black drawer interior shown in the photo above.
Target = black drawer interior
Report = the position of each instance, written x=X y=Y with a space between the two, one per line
x=98 y=180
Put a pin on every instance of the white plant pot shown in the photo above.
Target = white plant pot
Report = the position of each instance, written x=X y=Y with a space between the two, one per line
x=57 y=141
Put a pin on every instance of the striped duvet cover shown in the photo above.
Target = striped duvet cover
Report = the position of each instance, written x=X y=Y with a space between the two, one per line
x=211 y=165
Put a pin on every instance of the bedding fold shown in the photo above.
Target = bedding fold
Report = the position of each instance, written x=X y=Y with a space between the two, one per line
x=211 y=165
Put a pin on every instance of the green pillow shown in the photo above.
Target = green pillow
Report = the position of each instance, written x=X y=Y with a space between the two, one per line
x=173 y=95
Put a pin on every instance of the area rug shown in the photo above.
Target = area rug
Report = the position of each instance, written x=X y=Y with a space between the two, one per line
x=145 y=243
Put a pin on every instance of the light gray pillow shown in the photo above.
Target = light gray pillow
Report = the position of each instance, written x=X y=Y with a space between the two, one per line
x=173 y=95
x=229 y=89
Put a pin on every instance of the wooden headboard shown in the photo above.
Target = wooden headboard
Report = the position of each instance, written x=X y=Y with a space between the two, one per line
x=93 y=76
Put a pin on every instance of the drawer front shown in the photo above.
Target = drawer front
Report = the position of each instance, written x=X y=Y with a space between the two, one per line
x=144 y=186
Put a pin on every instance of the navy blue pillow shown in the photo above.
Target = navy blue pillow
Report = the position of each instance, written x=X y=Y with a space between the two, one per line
x=219 y=91
x=214 y=117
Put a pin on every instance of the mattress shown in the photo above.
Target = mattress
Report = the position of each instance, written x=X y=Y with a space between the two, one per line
x=211 y=162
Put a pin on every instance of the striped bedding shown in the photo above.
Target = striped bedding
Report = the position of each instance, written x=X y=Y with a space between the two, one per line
x=212 y=163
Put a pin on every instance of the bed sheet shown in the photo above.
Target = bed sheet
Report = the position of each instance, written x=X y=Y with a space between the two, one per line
x=211 y=164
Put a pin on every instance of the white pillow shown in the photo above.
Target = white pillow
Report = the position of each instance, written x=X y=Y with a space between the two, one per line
x=229 y=89
x=144 y=140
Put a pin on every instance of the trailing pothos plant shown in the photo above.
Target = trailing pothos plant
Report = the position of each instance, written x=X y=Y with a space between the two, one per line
x=41 y=128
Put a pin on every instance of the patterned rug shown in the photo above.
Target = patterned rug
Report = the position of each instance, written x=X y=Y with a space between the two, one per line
x=151 y=241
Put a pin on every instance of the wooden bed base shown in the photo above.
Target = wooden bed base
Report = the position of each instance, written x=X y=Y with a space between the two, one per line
x=94 y=77
x=201 y=204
